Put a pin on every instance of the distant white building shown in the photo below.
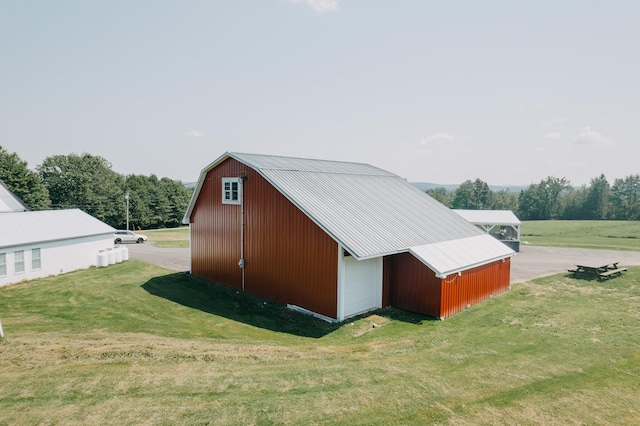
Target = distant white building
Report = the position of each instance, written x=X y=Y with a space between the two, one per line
x=9 y=202
x=502 y=224
x=36 y=244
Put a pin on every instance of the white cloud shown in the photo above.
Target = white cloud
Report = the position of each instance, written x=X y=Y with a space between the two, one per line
x=438 y=138
x=551 y=135
x=319 y=6
x=425 y=151
x=591 y=137
x=553 y=122
x=195 y=133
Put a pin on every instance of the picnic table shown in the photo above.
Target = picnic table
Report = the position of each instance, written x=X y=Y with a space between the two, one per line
x=600 y=270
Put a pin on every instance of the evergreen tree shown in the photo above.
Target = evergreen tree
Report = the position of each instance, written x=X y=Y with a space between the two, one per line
x=596 y=204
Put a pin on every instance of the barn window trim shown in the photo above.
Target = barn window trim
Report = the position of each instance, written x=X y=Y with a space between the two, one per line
x=232 y=190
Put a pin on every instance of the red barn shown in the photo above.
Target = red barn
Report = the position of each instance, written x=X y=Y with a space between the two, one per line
x=337 y=239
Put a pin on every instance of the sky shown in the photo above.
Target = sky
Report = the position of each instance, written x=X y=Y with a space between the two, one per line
x=509 y=92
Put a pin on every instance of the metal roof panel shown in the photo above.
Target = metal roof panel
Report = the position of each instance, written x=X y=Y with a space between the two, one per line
x=449 y=257
x=489 y=217
x=20 y=228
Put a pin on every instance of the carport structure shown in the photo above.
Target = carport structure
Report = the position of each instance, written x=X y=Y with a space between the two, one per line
x=507 y=224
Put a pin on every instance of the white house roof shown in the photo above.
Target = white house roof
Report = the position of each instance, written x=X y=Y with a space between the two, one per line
x=9 y=202
x=489 y=217
x=369 y=211
x=21 y=228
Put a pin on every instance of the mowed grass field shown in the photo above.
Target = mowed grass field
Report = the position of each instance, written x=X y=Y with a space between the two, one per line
x=137 y=344
x=172 y=237
x=597 y=234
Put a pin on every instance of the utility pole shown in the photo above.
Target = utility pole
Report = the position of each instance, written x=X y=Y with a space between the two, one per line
x=126 y=196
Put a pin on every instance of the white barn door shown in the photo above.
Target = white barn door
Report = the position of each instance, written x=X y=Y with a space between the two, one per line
x=362 y=285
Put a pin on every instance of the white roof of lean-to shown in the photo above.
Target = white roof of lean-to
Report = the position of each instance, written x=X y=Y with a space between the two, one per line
x=9 y=202
x=449 y=257
x=489 y=217
x=33 y=227
x=369 y=211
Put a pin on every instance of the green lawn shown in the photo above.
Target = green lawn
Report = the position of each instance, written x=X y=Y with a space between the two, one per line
x=168 y=238
x=136 y=344
x=600 y=234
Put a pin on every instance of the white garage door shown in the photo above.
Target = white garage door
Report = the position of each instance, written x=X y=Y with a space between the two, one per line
x=362 y=285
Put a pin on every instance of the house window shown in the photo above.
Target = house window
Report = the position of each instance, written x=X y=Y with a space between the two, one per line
x=3 y=264
x=231 y=190
x=35 y=259
x=18 y=261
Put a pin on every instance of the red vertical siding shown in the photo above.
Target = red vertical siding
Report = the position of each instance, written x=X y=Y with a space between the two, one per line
x=474 y=286
x=411 y=285
x=215 y=230
x=288 y=258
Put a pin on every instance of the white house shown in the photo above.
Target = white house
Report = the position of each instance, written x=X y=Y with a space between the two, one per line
x=36 y=244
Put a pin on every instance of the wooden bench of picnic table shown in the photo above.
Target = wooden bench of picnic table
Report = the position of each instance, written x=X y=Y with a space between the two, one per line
x=610 y=272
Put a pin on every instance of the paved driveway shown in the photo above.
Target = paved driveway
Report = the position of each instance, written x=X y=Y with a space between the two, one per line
x=532 y=262
x=176 y=259
x=535 y=262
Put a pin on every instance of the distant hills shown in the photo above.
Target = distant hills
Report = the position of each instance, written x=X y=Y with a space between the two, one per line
x=424 y=186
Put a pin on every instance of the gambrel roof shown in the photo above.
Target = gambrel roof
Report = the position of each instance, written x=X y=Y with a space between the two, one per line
x=372 y=212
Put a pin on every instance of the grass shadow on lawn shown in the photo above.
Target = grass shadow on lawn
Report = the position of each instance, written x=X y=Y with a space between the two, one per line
x=233 y=304
x=216 y=299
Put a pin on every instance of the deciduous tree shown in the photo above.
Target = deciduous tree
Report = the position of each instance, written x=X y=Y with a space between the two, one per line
x=22 y=181
x=85 y=182
x=625 y=197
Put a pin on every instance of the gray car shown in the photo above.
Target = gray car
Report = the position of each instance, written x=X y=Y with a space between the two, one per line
x=128 y=237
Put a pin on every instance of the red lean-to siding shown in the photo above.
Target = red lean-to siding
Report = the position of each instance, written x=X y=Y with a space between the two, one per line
x=288 y=258
x=473 y=286
x=411 y=285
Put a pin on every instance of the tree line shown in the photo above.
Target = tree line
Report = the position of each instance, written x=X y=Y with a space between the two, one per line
x=551 y=198
x=87 y=182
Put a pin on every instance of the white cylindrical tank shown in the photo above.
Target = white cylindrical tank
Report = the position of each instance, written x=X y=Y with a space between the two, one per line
x=118 y=253
x=112 y=256
x=103 y=259
x=125 y=253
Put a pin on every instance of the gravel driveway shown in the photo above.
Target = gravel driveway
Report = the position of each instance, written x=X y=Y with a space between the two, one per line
x=532 y=262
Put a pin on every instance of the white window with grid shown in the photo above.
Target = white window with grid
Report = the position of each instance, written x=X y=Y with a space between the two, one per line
x=231 y=191
x=36 y=261
x=3 y=264
x=18 y=261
